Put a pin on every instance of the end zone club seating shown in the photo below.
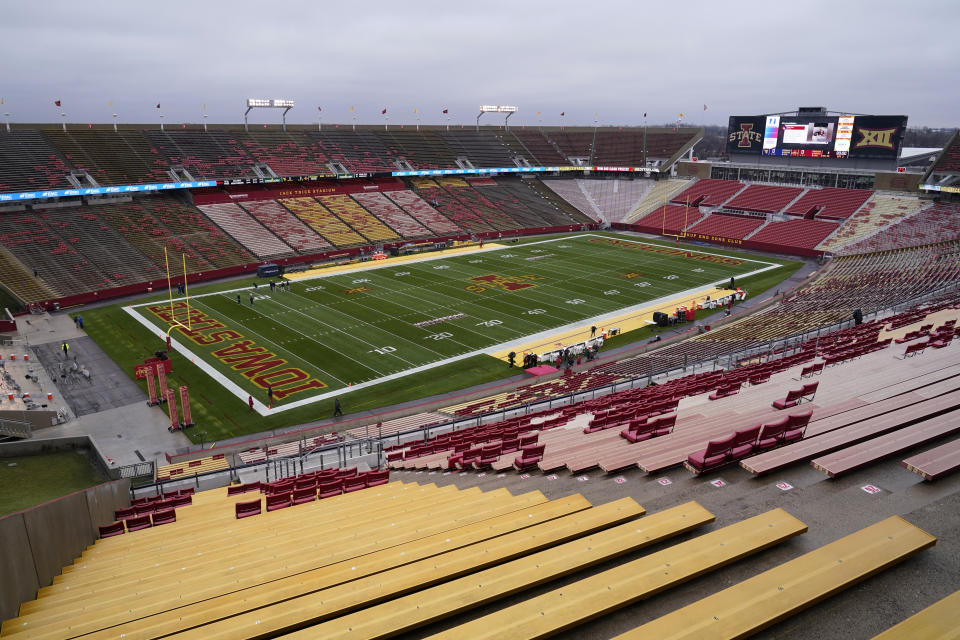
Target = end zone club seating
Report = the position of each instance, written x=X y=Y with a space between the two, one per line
x=669 y=218
x=829 y=203
x=763 y=198
x=800 y=234
x=707 y=192
x=726 y=226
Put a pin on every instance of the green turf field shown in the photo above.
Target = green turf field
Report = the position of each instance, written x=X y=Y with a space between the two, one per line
x=219 y=414
x=356 y=329
x=32 y=480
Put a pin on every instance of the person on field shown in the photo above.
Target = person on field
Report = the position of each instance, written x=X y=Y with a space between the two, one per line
x=337 y=409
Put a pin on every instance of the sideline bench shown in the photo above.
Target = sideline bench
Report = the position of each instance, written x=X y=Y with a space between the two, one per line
x=864 y=453
x=767 y=598
x=839 y=436
x=936 y=462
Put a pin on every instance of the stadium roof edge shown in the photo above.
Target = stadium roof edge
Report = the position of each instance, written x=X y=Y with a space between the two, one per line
x=262 y=126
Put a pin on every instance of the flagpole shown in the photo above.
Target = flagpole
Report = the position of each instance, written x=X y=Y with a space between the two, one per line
x=644 y=139
x=203 y=112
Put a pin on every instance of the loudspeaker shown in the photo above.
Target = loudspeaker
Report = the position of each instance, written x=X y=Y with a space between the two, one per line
x=661 y=318
x=857 y=316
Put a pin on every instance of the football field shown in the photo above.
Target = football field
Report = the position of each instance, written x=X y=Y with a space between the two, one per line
x=341 y=330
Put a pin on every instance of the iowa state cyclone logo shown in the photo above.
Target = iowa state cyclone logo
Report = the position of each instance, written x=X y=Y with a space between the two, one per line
x=507 y=283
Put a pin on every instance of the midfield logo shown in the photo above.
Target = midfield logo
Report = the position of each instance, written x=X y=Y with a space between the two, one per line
x=879 y=138
x=746 y=136
x=356 y=290
x=507 y=283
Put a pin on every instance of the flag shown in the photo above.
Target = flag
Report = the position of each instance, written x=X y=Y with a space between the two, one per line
x=319 y=109
x=158 y=105
x=644 y=114
x=351 y=108
x=446 y=110
x=704 y=107
x=414 y=110
x=1 y=100
x=204 y=106
x=56 y=102
x=563 y=113
x=538 y=114
x=110 y=102
x=383 y=112
x=680 y=115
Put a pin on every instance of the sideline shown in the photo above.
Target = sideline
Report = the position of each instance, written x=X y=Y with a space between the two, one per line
x=549 y=335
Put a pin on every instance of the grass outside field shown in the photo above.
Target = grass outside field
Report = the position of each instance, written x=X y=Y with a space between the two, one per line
x=32 y=480
x=288 y=323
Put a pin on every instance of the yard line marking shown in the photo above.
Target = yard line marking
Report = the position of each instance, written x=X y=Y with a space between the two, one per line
x=298 y=357
x=497 y=298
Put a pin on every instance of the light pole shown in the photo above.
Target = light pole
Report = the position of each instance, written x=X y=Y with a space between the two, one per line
x=276 y=103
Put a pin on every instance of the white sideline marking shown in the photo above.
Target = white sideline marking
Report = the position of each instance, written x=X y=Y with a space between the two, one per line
x=263 y=410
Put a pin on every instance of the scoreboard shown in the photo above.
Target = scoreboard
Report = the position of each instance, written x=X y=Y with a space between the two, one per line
x=817 y=136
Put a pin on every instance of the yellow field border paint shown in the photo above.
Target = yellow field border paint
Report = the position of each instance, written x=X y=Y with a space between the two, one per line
x=626 y=322
x=373 y=264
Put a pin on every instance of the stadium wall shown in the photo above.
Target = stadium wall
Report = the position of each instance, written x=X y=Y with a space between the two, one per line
x=37 y=542
x=693 y=169
x=889 y=181
x=289 y=190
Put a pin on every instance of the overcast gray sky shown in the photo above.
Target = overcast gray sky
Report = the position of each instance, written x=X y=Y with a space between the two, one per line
x=615 y=59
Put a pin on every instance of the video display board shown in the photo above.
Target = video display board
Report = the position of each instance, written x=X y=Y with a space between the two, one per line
x=817 y=136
